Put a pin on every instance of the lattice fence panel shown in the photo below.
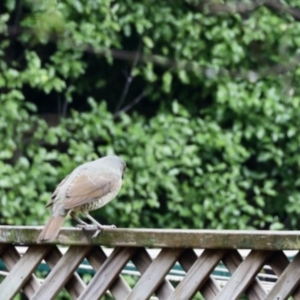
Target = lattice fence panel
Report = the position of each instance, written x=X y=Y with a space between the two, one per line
x=153 y=281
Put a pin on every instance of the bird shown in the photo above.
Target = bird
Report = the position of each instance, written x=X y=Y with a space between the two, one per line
x=88 y=187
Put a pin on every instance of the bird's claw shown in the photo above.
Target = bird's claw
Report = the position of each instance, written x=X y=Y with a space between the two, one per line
x=109 y=226
x=86 y=226
x=100 y=228
x=96 y=233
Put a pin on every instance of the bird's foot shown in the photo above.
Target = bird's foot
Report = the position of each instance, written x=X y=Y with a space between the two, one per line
x=97 y=227
x=87 y=226
x=100 y=228
x=106 y=226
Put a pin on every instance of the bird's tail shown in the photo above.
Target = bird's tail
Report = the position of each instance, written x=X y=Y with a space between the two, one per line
x=51 y=229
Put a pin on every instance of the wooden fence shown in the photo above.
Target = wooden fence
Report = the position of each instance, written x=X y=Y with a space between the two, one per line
x=198 y=252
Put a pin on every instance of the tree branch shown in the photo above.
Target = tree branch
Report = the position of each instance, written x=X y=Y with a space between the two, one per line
x=129 y=78
x=277 y=6
x=130 y=105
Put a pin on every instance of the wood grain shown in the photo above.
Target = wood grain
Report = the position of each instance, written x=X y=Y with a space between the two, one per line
x=278 y=262
x=155 y=274
x=210 y=288
x=142 y=261
x=244 y=275
x=197 y=274
x=61 y=273
x=75 y=285
x=287 y=282
x=22 y=271
x=119 y=288
x=255 y=291
x=107 y=273
x=10 y=257
x=161 y=238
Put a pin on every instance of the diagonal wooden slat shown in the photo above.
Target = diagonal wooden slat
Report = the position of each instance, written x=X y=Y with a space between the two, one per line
x=197 y=274
x=155 y=274
x=2 y=248
x=120 y=288
x=22 y=271
x=287 y=282
x=61 y=273
x=75 y=285
x=232 y=260
x=278 y=262
x=244 y=275
x=211 y=288
x=107 y=273
x=142 y=261
x=10 y=257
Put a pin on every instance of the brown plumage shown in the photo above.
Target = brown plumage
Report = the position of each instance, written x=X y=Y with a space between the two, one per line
x=89 y=187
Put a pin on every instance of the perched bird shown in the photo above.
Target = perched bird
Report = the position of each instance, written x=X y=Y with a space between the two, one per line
x=89 y=187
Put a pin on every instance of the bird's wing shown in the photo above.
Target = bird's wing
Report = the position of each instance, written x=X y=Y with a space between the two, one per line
x=56 y=192
x=88 y=187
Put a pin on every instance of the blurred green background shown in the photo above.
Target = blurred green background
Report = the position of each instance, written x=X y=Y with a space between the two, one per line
x=201 y=98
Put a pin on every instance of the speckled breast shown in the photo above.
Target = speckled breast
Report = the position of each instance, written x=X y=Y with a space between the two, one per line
x=100 y=202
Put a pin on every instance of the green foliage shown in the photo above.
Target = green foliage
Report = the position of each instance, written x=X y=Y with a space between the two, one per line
x=214 y=143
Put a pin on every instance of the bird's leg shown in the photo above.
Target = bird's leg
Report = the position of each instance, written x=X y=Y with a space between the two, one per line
x=81 y=223
x=98 y=225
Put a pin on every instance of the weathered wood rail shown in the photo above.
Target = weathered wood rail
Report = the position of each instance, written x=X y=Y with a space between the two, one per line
x=175 y=246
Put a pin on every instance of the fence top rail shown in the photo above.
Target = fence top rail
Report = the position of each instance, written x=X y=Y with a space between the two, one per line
x=160 y=238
